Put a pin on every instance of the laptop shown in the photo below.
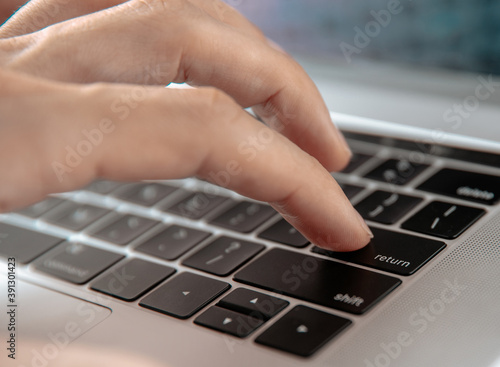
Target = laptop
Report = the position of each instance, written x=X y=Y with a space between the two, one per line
x=184 y=273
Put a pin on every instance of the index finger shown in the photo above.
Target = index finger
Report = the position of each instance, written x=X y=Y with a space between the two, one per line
x=229 y=148
x=168 y=134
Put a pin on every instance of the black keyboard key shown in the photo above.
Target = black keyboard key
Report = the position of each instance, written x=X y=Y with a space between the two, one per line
x=228 y=322
x=42 y=207
x=103 y=187
x=244 y=216
x=76 y=263
x=476 y=187
x=443 y=220
x=357 y=160
x=223 y=255
x=316 y=280
x=256 y=304
x=145 y=194
x=396 y=172
x=24 y=245
x=283 y=232
x=385 y=207
x=394 y=252
x=74 y=216
x=196 y=205
x=303 y=331
x=350 y=190
x=125 y=229
x=132 y=279
x=173 y=242
x=184 y=295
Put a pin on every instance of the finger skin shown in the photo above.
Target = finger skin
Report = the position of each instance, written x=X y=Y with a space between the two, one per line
x=158 y=42
x=166 y=134
x=39 y=119
x=38 y=14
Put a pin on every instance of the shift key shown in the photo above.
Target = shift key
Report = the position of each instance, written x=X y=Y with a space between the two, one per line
x=317 y=280
x=394 y=252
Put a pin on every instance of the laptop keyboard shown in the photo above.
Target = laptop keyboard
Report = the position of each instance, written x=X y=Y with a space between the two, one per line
x=188 y=250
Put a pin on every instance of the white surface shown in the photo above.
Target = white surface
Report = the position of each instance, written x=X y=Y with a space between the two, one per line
x=418 y=98
x=415 y=133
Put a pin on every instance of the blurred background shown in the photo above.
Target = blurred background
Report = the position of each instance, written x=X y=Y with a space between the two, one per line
x=453 y=34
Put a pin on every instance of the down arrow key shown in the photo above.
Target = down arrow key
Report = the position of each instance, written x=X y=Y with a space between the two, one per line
x=228 y=321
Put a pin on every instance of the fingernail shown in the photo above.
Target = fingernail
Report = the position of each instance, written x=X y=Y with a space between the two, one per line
x=364 y=225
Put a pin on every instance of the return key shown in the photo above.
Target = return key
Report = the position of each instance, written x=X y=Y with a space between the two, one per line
x=394 y=252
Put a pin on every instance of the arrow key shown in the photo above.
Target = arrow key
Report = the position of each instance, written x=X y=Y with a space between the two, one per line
x=303 y=331
x=253 y=303
x=228 y=322
x=184 y=295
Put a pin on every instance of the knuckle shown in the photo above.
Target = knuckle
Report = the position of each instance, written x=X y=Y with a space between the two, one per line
x=155 y=6
x=180 y=15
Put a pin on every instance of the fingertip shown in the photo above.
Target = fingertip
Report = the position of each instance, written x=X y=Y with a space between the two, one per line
x=331 y=244
x=323 y=214
x=344 y=246
x=363 y=225
x=343 y=241
x=343 y=143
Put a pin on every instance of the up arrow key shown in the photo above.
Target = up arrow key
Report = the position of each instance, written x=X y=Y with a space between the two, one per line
x=302 y=329
x=227 y=320
x=254 y=301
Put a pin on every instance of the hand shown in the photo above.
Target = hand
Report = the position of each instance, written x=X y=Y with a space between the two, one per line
x=154 y=133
